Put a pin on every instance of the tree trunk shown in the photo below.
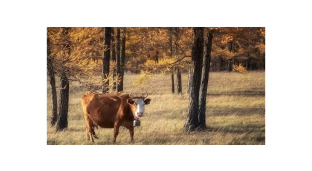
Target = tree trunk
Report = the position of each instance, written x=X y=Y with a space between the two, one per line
x=204 y=82
x=53 y=90
x=113 y=45
x=229 y=66
x=172 y=82
x=189 y=78
x=122 y=58
x=53 y=87
x=170 y=53
x=63 y=108
x=113 y=56
x=106 y=58
x=179 y=81
x=118 y=62
x=197 y=56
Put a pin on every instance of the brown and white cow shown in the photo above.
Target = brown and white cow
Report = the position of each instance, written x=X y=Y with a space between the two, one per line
x=112 y=111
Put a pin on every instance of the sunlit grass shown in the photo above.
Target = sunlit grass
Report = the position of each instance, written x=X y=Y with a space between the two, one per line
x=235 y=113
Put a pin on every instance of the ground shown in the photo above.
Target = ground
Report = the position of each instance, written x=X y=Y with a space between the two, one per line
x=235 y=113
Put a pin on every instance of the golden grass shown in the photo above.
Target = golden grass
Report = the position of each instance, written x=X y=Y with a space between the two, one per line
x=235 y=113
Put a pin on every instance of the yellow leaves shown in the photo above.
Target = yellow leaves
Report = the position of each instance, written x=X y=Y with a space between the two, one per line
x=142 y=79
x=239 y=68
x=79 y=51
x=163 y=65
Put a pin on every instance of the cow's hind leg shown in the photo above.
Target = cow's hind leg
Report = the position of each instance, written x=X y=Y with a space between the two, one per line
x=89 y=128
x=116 y=132
x=93 y=133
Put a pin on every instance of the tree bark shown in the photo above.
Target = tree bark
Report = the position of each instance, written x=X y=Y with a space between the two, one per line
x=61 y=122
x=118 y=62
x=113 y=56
x=63 y=108
x=229 y=66
x=204 y=82
x=113 y=45
x=172 y=82
x=179 y=81
x=170 y=53
x=122 y=58
x=53 y=90
x=189 y=78
x=106 y=58
x=52 y=84
x=197 y=56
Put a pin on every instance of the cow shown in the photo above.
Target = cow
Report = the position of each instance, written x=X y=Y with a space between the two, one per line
x=112 y=111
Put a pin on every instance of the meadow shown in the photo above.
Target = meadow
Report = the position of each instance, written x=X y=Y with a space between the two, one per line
x=235 y=113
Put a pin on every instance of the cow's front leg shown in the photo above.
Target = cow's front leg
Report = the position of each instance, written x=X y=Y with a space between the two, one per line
x=131 y=131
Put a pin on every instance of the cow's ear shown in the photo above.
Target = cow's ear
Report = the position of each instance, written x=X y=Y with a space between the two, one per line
x=147 y=101
x=130 y=101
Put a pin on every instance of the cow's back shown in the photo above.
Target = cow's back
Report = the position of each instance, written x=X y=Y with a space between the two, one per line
x=103 y=109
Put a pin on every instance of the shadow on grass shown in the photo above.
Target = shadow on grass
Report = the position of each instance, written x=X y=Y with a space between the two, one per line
x=238 y=129
x=249 y=92
x=237 y=111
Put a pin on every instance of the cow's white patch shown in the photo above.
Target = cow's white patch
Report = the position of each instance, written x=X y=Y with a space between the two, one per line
x=140 y=107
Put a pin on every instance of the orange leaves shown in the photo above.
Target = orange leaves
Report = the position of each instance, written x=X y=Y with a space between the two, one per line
x=79 y=51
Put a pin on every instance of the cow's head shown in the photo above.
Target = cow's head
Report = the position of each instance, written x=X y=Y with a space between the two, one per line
x=137 y=104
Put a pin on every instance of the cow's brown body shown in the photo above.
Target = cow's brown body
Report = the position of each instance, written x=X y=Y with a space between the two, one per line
x=108 y=111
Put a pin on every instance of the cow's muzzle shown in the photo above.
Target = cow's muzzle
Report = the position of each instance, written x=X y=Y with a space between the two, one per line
x=139 y=114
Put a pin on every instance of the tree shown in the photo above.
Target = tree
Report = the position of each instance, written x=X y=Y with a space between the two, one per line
x=52 y=82
x=122 y=58
x=118 y=59
x=204 y=81
x=64 y=92
x=73 y=55
x=113 y=56
x=179 y=79
x=106 y=60
x=197 y=56
x=170 y=53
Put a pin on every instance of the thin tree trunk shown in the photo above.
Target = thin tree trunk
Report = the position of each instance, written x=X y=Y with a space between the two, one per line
x=52 y=83
x=179 y=81
x=122 y=58
x=113 y=57
x=63 y=108
x=204 y=82
x=106 y=58
x=118 y=62
x=229 y=66
x=62 y=122
x=53 y=90
x=172 y=82
x=197 y=56
x=170 y=53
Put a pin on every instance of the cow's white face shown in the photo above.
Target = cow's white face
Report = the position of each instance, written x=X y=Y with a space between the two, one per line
x=139 y=104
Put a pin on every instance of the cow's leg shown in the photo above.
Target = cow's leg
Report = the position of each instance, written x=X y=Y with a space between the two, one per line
x=89 y=127
x=89 y=135
x=93 y=133
x=131 y=131
x=116 y=131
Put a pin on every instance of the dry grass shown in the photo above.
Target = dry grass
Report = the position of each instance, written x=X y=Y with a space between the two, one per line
x=235 y=113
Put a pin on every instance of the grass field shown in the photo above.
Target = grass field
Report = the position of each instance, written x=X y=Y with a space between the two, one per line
x=235 y=113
